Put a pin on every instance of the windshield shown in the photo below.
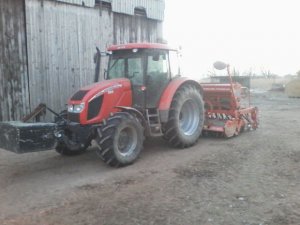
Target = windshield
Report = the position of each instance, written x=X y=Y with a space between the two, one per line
x=126 y=64
x=134 y=64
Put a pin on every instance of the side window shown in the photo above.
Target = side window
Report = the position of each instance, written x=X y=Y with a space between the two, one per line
x=158 y=67
x=157 y=63
x=174 y=63
x=117 y=68
x=135 y=71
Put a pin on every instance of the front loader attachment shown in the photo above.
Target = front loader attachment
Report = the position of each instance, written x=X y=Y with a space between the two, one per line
x=22 y=137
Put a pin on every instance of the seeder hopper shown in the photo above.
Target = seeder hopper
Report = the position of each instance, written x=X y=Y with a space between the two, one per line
x=227 y=107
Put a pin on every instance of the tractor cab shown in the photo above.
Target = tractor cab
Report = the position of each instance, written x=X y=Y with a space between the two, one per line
x=149 y=67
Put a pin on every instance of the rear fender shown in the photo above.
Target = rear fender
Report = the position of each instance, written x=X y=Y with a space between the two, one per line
x=169 y=92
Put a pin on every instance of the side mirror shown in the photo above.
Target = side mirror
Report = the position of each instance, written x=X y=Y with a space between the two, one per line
x=105 y=74
x=220 y=65
x=97 y=55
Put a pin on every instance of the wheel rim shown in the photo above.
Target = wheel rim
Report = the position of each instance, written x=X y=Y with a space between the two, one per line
x=127 y=141
x=189 y=117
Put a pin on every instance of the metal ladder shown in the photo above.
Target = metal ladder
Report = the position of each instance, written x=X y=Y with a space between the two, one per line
x=154 y=123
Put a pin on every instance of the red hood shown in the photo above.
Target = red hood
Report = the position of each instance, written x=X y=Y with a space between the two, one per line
x=104 y=84
x=96 y=88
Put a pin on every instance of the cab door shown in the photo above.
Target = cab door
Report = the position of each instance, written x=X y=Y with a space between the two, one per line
x=157 y=76
x=135 y=73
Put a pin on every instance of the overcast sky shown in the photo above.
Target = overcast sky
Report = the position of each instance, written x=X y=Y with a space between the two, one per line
x=256 y=34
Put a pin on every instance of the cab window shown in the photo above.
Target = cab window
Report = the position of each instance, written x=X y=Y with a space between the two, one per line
x=116 y=68
x=158 y=67
x=135 y=71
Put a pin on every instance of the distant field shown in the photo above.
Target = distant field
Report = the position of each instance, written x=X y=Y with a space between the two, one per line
x=266 y=84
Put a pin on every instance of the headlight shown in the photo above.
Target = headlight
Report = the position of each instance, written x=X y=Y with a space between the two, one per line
x=76 y=108
x=70 y=108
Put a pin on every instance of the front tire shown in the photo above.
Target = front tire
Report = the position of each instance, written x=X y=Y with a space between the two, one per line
x=186 y=118
x=120 y=139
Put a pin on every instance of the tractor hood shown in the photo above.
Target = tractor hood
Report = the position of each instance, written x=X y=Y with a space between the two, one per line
x=92 y=91
x=94 y=103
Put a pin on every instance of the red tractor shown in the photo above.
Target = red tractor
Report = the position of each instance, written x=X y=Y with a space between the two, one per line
x=143 y=94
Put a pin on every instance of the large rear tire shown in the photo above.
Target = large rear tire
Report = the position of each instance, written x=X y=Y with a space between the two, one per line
x=186 y=118
x=120 y=139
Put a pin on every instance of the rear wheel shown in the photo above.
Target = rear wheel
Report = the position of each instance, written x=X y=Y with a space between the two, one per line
x=120 y=139
x=186 y=118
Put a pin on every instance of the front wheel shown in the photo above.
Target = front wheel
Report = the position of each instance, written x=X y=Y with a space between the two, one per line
x=186 y=117
x=120 y=139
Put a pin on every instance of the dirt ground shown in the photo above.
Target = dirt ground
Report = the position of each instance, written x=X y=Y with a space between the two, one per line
x=252 y=179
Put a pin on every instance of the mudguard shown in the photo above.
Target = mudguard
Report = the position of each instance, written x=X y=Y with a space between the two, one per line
x=169 y=92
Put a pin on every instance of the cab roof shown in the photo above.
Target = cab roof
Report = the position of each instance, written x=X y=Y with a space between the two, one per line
x=140 y=46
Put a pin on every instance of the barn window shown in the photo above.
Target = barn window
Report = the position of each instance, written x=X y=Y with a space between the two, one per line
x=103 y=4
x=140 y=11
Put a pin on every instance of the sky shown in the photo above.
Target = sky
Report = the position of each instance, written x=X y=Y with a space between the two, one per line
x=256 y=35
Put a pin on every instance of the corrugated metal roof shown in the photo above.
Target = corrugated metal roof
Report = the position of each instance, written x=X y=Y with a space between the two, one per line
x=154 y=8
x=87 y=3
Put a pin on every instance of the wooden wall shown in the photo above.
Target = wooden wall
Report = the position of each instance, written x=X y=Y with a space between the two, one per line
x=61 y=41
x=135 y=29
x=14 y=96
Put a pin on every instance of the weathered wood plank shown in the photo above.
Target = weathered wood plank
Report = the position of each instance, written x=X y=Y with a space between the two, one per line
x=14 y=98
x=135 y=29
x=62 y=47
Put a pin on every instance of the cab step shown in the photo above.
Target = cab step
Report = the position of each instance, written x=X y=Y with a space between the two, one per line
x=154 y=123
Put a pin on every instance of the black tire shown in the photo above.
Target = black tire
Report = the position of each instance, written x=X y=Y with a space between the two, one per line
x=120 y=139
x=186 y=117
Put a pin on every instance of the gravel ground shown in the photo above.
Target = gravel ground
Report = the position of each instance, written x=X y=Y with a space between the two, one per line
x=251 y=179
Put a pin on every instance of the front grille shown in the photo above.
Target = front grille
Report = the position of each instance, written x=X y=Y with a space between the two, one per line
x=74 y=117
x=79 y=95
x=94 y=107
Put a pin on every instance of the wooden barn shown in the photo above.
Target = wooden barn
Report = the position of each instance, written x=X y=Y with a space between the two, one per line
x=47 y=46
